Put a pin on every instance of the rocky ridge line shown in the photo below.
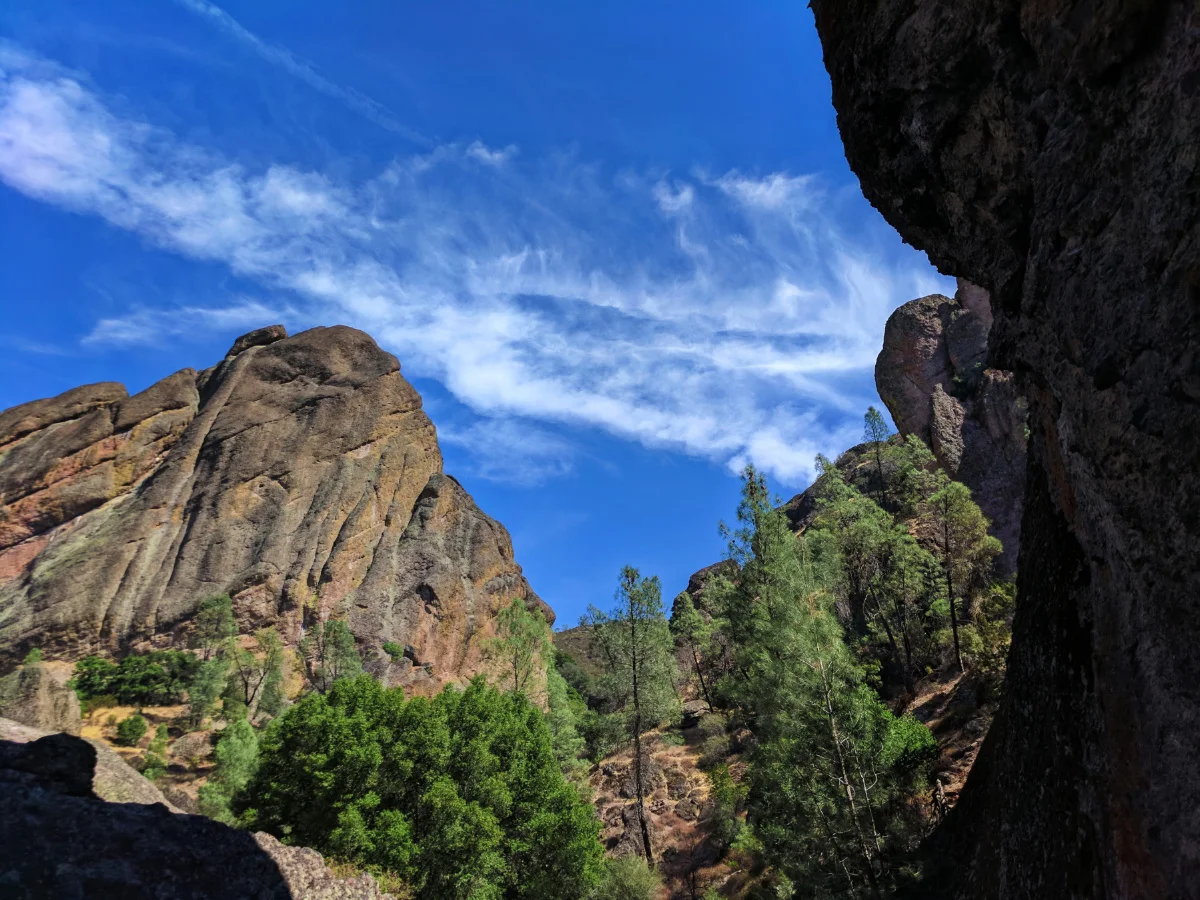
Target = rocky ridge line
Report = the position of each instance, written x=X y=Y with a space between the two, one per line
x=299 y=474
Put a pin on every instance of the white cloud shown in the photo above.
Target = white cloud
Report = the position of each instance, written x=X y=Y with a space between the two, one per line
x=157 y=326
x=298 y=68
x=733 y=318
x=514 y=451
x=480 y=152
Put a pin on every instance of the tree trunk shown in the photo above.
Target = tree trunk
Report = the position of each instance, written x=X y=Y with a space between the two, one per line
x=700 y=675
x=948 y=563
x=637 y=738
x=847 y=787
x=954 y=620
x=879 y=470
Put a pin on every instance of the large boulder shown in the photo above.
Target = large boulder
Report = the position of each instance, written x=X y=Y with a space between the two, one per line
x=1047 y=152
x=110 y=777
x=932 y=375
x=300 y=475
x=38 y=695
x=60 y=839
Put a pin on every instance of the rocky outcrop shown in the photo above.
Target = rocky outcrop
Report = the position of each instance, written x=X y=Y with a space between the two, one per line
x=61 y=840
x=300 y=475
x=932 y=374
x=111 y=778
x=1047 y=151
x=38 y=695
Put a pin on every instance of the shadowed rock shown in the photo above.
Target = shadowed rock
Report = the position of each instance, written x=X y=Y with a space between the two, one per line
x=1047 y=151
x=60 y=840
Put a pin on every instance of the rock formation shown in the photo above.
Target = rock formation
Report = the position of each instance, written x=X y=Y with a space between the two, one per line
x=300 y=475
x=932 y=375
x=1047 y=151
x=60 y=839
x=38 y=695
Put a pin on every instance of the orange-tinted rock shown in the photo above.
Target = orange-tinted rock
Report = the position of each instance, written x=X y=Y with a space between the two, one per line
x=300 y=475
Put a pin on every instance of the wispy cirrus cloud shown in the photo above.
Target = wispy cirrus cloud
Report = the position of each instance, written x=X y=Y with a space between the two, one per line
x=733 y=317
x=511 y=450
x=160 y=326
x=299 y=68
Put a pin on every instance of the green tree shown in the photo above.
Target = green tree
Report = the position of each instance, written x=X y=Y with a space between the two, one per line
x=566 y=710
x=726 y=797
x=205 y=687
x=131 y=730
x=963 y=547
x=627 y=878
x=460 y=795
x=154 y=761
x=237 y=760
x=521 y=643
x=823 y=796
x=634 y=641
x=157 y=678
x=330 y=654
x=252 y=669
x=213 y=625
x=694 y=632
x=876 y=433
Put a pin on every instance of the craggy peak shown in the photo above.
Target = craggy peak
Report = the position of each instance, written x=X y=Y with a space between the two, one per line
x=833 y=367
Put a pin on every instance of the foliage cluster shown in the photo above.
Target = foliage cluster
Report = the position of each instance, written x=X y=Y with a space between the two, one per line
x=461 y=795
x=158 y=678
x=131 y=730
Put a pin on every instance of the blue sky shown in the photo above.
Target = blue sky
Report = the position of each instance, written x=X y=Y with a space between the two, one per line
x=616 y=246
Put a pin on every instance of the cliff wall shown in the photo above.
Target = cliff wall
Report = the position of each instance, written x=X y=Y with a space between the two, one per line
x=1048 y=152
x=300 y=475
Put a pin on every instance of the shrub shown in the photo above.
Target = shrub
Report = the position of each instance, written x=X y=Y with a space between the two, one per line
x=394 y=650
x=157 y=678
x=131 y=730
x=32 y=658
x=726 y=797
x=627 y=878
x=459 y=791
x=909 y=748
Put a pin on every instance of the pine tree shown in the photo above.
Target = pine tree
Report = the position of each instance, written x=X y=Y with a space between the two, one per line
x=214 y=625
x=205 y=687
x=634 y=641
x=522 y=642
x=694 y=632
x=237 y=760
x=565 y=711
x=827 y=762
x=963 y=547
x=876 y=432
x=330 y=654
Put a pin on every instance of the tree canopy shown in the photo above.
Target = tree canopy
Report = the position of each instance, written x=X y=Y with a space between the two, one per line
x=461 y=795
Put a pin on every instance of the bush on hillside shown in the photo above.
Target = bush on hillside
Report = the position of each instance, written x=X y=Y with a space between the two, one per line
x=460 y=795
x=131 y=730
x=627 y=878
x=158 y=678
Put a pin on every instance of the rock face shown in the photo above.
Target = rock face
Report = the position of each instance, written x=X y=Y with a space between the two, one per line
x=932 y=374
x=61 y=840
x=1048 y=151
x=38 y=695
x=109 y=777
x=300 y=475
